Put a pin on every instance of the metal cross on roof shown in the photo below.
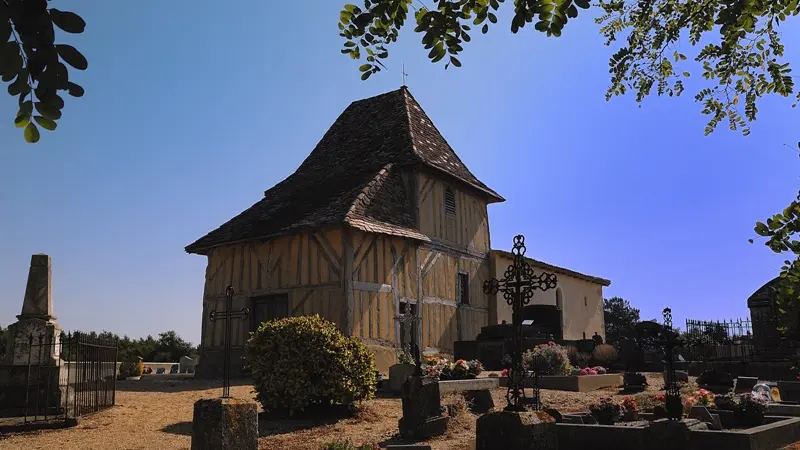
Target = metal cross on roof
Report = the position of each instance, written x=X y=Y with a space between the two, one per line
x=403 y=71
x=517 y=286
x=228 y=314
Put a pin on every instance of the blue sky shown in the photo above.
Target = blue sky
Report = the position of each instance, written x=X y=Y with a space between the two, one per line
x=192 y=110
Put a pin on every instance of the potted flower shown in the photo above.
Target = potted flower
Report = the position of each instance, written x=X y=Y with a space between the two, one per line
x=631 y=413
x=607 y=412
x=659 y=406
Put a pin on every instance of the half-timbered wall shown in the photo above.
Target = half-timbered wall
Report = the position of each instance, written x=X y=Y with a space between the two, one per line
x=307 y=267
x=444 y=319
x=468 y=227
x=384 y=275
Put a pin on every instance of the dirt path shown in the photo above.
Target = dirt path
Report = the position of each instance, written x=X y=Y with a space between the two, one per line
x=158 y=413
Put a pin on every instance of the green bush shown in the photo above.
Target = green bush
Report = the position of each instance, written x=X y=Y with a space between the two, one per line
x=304 y=362
x=552 y=358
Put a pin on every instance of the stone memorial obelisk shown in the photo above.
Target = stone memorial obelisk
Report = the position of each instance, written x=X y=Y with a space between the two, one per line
x=36 y=321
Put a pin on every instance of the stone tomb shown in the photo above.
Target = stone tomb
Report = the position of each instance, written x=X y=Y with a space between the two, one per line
x=507 y=430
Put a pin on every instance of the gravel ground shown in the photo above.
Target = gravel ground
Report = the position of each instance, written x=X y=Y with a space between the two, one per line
x=157 y=414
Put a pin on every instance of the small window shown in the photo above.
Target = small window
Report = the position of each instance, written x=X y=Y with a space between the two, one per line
x=463 y=288
x=585 y=302
x=449 y=202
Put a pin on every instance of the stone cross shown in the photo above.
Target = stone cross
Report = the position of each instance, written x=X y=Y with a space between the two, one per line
x=38 y=301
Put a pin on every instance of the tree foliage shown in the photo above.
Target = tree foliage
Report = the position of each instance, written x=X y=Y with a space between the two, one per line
x=743 y=61
x=620 y=317
x=169 y=347
x=34 y=65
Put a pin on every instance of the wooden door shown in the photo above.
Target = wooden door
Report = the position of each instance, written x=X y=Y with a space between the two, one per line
x=269 y=307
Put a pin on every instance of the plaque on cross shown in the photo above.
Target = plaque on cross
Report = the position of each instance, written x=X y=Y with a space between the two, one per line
x=227 y=315
x=518 y=284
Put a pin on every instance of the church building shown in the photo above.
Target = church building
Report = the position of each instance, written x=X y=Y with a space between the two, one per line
x=380 y=218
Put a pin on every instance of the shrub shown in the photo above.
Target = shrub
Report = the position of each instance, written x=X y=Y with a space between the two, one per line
x=552 y=359
x=302 y=362
x=606 y=412
x=604 y=355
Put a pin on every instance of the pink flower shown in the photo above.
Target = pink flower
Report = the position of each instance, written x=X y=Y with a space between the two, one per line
x=592 y=372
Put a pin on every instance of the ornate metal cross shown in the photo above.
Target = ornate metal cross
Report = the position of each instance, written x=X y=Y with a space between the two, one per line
x=669 y=339
x=517 y=286
x=228 y=314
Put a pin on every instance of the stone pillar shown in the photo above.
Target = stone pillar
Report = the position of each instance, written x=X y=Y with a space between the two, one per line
x=36 y=321
x=225 y=424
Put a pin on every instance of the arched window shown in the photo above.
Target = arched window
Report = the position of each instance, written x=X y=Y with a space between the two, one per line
x=559 y=299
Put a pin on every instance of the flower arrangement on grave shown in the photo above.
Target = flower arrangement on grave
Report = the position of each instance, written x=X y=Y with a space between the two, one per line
x=607 y=412
x=147 y=370
x=631 y=409
x=597 y=370
x=139 y=368
x=750 y=410
x=459 y=370
x=725 y=402
x=552 y=359
x=701 y=397
x=660 y=405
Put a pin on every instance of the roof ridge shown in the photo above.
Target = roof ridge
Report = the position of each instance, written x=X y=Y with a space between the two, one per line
x=414 y=150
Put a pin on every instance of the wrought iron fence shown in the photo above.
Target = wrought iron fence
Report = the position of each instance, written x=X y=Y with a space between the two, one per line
x=726 y=340
x=58 y=380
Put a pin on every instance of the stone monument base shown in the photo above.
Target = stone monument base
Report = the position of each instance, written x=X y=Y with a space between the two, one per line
x=31 y=391
x=225 y=423
x=508 y=430
x=435 y=426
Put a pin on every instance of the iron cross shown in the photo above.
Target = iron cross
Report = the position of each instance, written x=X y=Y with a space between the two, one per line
x=228 y=314
x=517 y=286
x=403 y=71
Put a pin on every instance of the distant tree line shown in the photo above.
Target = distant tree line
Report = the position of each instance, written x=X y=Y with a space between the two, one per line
x=168 y=347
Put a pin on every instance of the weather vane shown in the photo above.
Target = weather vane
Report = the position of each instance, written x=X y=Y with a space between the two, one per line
x=403 y=71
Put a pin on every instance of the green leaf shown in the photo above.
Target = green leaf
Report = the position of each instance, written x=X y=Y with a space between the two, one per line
x=26 y=108
x=364 y=67
x=75 y=90
x=72 y=56
x=455 y=61
x=48 y=111
x=583 y=4
x=22 y=121
x=485 y=28
x=31 y=133
x=750 y=241
x=366 y=75
x=45 y=123
x=67 y=21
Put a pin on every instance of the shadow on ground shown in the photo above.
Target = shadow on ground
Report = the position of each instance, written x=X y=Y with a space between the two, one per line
x=180 y=428
x=175 y=383
x=265 y=427
x=396 y=439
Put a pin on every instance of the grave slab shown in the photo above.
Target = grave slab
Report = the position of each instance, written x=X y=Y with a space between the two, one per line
x=477 y=384
x=422 y=409
x=398 y=374
x=507 y=430
x=225 y=423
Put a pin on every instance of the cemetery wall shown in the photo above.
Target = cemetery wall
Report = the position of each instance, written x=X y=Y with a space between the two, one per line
x=581 y=298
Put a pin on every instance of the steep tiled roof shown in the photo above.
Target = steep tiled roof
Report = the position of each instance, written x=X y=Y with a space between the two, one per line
x=353 y=176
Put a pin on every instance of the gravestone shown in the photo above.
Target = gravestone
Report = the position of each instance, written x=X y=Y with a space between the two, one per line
x=422 y=409
x=715 y=381
x=160 y=371
x=174 y=368
x=745 y=384
x=480 y=401
x=510 y=430
x=185 y=363
x=225 y=423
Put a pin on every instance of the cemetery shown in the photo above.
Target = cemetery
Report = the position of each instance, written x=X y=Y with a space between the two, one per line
x=375 y=325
